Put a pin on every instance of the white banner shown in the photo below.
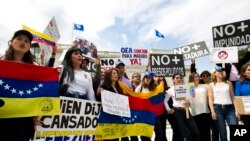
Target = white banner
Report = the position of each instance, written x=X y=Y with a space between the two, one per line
x=115 y=104
x=134 y=56
x=224 y=55
x=77 y=121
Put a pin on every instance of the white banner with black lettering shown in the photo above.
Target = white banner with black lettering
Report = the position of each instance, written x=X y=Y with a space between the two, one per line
x=77 y=121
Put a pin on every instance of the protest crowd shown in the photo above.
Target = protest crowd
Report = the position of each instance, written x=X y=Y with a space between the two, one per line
x=198 y=110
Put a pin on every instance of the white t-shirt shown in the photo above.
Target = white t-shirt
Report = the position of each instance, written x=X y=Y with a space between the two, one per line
x=82 y=84
x=176 y=103
x=221 y=93
x=199 y=102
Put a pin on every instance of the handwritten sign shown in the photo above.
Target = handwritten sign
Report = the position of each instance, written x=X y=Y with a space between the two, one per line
x=180 y=91
x=115 y=104
x=246 y=103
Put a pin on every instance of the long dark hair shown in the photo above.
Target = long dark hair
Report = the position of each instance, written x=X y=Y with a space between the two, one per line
x=68 y=69
x=152 y=85
x=164 y=83
x=9 y=54
x=107 y=81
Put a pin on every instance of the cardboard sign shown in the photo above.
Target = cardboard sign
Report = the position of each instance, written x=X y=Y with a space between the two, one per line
x=181 y=92
x=224 y=55
x=233 y=34
x=192 y=51
x=52 y=30
x=242 y=104
x=167 y=64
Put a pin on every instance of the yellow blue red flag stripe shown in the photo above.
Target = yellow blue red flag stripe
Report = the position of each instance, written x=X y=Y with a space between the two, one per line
x=28 y=90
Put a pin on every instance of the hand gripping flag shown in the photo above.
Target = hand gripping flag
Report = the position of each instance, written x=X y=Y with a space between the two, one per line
x=28 y=90
x=158 y=34
x=144 y=110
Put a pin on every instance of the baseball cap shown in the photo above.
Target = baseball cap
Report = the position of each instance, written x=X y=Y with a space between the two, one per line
x=149 y=74
x=217 y=69
x=23 y=32
x=118 y=63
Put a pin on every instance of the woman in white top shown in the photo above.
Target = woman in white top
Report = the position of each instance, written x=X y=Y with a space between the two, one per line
x=19 y=128
x=78 y=82
x=199 y=106
x=221 y=102
x=184 y=129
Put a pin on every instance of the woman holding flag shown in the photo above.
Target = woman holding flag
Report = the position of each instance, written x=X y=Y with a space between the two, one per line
x=149 y=84
x=110 y=83
x=19 y=129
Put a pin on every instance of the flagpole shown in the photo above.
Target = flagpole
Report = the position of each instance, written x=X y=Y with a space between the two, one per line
x=155 y=43
x=72 y=32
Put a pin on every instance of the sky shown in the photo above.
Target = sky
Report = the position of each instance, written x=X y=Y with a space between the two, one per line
x=112 y=24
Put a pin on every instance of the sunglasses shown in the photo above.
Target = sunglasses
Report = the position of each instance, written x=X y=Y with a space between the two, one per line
x=205 y=75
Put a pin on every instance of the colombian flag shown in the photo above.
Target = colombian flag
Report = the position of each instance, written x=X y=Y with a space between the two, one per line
x=28 y=90
x=41 y=37
x=143 y=117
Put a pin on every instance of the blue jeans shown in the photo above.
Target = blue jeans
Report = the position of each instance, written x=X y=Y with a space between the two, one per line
x=77 y=95
x=225 y=114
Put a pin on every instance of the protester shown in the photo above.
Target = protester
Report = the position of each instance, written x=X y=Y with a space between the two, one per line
x=110 y=83
x=19 y=129
x=163 y=118
x=98 y=83
x=136 y=80
x=149 y=84
x=120 y=66
x=205 y=78
x=199 y=108
x=221 y=102
x=242 y=88
x=78 y=81
x=184 y=129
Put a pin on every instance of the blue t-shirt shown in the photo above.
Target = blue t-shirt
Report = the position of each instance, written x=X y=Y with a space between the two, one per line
x=242 y=88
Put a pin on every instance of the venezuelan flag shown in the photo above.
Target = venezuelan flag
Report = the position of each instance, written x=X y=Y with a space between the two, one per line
x=141 y=122
x=41 y=37
x=28 y=90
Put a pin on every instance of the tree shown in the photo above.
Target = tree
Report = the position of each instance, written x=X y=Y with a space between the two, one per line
x=243 y=51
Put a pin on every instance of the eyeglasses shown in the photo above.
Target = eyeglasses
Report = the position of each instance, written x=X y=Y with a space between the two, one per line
x=177 y=77
x=205 y=75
